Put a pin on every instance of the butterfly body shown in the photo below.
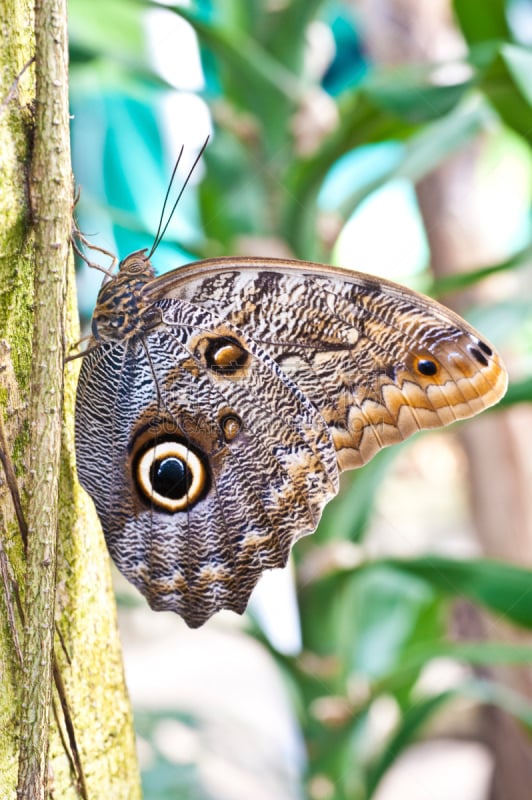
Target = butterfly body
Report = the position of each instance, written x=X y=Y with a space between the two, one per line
x=218 y=404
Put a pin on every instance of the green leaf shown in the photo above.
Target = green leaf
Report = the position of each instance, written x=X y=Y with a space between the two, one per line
x=417 y=715
x=425 y=647
x=481 y=653
x=232 y=201
x=496 y=694
x=463 y=280
x=330 y=605
x=285 y=27
x=246 y=58
x=113 y=29
x=411 y=93
x=518 y=392
x=347 y=518
x=481 y=21
x=499 y=587
x=507 y=83
x=427 y=149
x=421 y=710
x=361 y=122
x=382 y=614
x=387 y=105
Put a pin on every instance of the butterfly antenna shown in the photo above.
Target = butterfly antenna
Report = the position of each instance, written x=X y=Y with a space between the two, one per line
x=161 y=232
x=167 y=195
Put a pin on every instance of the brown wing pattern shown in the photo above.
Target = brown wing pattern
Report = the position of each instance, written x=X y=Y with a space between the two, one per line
x=379 y=361
x=249 y=461
x=217 y=404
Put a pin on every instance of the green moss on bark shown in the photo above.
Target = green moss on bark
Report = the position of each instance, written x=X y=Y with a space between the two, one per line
x=88 y=649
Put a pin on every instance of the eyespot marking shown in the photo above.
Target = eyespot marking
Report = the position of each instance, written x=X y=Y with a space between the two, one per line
x=231 y=425
x=225 y=355
x=478 y=356
x=170 y=475
x=485 y=348
x=426 y=367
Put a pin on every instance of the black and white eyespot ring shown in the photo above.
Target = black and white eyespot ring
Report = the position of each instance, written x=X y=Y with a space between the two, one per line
x=170 y=475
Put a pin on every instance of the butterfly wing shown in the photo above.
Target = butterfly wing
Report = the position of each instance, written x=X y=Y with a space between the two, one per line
x=211 y=429
x=204 y=460
x=378 y=361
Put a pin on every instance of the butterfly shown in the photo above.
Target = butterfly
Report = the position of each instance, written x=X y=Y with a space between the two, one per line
x=218 y=404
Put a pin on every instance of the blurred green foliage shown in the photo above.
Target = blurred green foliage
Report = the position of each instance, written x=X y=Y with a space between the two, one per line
x=372 y=623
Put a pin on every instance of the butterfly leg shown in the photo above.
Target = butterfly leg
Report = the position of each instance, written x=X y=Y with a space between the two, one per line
x=76 y=236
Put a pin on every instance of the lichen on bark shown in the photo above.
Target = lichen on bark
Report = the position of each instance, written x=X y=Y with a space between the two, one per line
x=87 y=650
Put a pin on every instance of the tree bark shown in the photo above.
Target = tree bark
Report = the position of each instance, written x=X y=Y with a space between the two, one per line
x=64 y=711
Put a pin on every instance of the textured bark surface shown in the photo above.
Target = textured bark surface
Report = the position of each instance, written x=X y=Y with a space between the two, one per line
x=90 y=740
x=50 y=203
x=16 y=291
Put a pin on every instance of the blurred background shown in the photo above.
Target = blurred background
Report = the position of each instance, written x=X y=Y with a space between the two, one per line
x=392 y=659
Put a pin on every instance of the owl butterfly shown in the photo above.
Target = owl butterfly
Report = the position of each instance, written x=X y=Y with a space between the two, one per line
x=218 y=404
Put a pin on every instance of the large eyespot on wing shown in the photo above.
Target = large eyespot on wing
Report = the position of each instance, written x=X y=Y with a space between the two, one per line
x=170 y=475
x=295 y=360
x=209 y=463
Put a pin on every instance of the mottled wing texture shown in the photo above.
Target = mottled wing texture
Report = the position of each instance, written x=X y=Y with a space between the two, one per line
x=270 y=377
x=361 y=349
x=263 y=489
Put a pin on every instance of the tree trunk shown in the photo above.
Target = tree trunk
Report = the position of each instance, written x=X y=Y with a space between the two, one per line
x=65 y=719
x=403 y=31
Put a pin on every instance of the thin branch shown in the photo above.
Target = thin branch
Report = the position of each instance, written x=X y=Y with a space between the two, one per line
x=14 y=86
x=11 y=480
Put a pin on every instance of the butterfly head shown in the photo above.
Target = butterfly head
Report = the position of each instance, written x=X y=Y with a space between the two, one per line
x=136 y=264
